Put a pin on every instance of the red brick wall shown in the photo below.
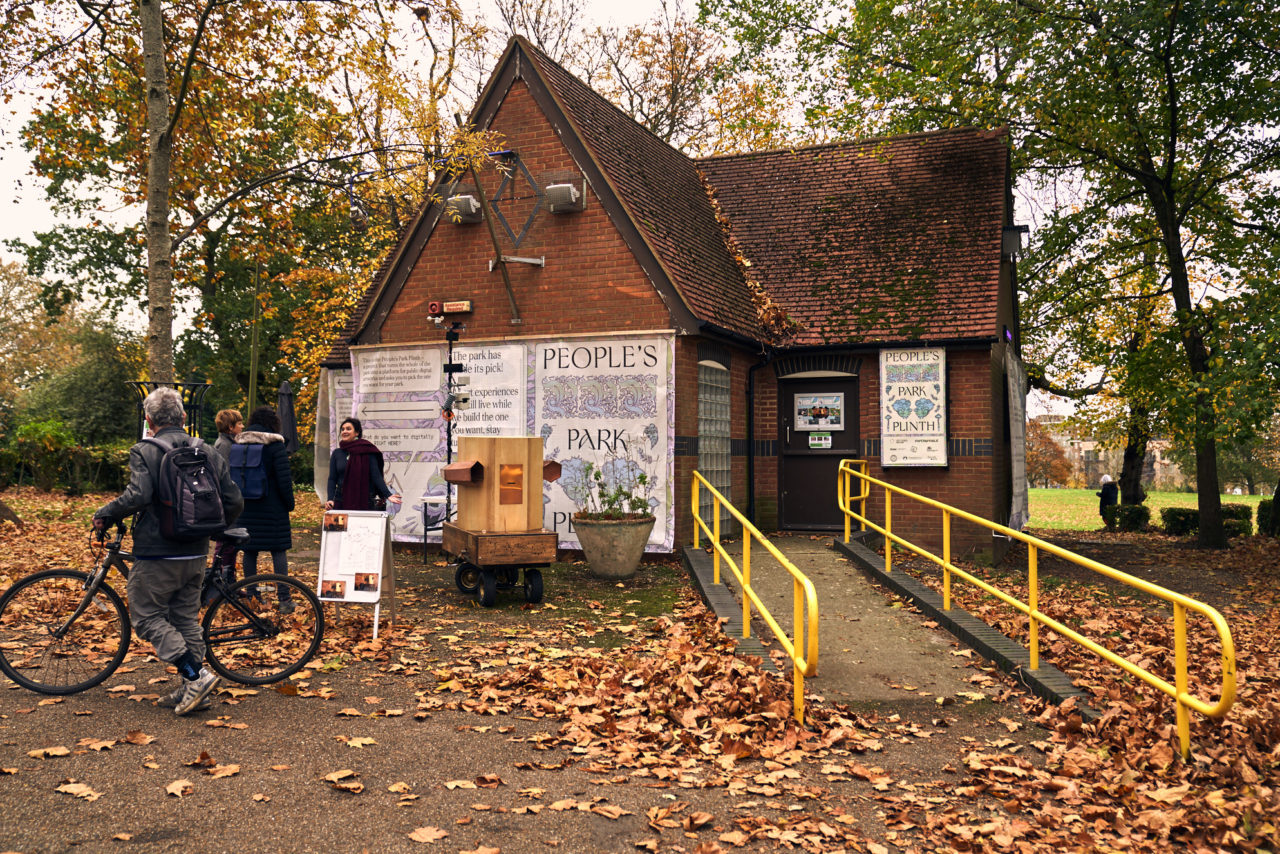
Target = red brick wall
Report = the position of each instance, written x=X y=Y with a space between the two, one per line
x=591 y=281
x=969 y=482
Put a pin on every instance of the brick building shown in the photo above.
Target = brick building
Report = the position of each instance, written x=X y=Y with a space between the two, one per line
x=732 y=314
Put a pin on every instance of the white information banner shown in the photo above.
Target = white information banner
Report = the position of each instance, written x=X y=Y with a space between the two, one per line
x=913 y=416
x=397 y=397
x=606 y=402
x=602 y=400
x=399 y=394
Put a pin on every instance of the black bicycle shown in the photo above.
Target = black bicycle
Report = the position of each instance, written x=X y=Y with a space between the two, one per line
x=63 y=631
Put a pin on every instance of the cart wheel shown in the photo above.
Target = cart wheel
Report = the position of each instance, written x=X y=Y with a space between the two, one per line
x=487 y=592
x=467 y=577
x=533 y=585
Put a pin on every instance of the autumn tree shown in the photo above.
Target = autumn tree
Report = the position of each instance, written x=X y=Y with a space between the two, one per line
x=214 y=117
x=1155 y=108
x=286 y=123
x=1047 y=463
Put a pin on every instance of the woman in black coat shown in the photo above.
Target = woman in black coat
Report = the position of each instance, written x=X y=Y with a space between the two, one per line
x=267 y=518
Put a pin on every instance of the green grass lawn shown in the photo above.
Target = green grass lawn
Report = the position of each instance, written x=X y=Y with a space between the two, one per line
x=1077 y=509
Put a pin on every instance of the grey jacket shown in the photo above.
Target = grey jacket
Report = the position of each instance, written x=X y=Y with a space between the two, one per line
x=139 y=497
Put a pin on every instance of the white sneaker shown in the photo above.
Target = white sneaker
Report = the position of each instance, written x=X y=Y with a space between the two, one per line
x=195 y=692
x=170 y=700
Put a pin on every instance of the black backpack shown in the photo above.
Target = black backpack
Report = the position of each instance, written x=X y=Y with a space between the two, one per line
x=249 y=470
x=187 y=497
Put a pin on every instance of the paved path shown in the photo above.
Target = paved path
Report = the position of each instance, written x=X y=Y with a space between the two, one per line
x=873 y=650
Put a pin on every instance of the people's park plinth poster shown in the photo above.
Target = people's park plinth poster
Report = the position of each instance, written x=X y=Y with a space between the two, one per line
x=913 y=410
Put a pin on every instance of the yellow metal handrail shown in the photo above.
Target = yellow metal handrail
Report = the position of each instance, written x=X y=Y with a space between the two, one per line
x=804 y=597
x=857 y=469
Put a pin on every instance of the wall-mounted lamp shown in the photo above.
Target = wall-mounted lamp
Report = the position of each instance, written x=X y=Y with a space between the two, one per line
x=463 y=209
x=1011 y=239
x=566 y=198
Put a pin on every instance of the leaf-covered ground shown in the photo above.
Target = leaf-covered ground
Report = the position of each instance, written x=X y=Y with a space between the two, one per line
x=617 y=719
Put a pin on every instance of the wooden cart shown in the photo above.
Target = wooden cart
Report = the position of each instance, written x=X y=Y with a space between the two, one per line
x=498 y=536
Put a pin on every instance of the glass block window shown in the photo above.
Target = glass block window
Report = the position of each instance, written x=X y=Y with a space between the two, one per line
x=714 y=458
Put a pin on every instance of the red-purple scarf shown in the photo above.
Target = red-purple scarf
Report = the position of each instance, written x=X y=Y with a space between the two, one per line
x=357 y=486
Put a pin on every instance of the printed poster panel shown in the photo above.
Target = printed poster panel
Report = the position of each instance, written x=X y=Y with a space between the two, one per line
x=333 y=403
x=913 y=417
x=820 y=411
x=399 y=396
x=607 y=402
x=353 y=546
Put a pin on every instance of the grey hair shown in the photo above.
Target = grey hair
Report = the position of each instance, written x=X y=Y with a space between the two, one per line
x=163 y=408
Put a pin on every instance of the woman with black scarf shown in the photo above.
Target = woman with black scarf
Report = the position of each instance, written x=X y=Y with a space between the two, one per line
x=355 y=472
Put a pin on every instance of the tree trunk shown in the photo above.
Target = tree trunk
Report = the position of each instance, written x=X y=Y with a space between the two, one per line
x=1188 y=319
x=1275 y=512
x=159 y=161
x=1135 y=455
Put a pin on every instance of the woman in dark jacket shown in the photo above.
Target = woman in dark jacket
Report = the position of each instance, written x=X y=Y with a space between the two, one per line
x=267 y=518
x=230 y=423
x=355 y=472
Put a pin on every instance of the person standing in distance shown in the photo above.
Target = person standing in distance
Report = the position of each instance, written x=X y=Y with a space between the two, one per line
x=1108 y=497
x=164 y=584
x=355 y=471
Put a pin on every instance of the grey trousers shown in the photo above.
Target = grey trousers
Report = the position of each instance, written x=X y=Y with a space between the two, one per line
x=164 y=604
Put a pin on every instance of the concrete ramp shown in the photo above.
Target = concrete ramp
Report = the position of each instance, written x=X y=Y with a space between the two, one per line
x=873 y=650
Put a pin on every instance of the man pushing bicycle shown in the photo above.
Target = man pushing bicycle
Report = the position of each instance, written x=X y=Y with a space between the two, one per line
x=181 y=493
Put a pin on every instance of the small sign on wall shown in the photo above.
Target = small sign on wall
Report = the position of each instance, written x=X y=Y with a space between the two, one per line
x=820 y=441
x=913 y=416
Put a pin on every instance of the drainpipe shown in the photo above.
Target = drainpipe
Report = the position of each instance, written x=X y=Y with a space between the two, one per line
x=751 y=434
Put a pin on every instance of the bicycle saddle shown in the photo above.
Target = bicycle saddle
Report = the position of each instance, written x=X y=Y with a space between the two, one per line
x=236 y=535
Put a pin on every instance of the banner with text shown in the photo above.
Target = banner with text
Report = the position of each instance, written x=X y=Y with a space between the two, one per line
x=913 y=416
x=399 y=393
x=606 y=402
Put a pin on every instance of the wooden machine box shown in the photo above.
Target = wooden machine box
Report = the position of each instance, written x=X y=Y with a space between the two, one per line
x=498 y=529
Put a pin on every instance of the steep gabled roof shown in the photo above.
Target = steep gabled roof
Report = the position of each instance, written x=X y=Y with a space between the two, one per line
x=664 y=196
x=880 y=240
x=894 y=239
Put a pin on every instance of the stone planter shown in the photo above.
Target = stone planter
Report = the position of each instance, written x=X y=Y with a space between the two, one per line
x=613 y=547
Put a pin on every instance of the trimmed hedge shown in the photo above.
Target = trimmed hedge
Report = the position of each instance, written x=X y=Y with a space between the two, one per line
x=1237 y=528
x=1264 y=515
x=1180 y=521
x=1132 y=517
x=1242 y=512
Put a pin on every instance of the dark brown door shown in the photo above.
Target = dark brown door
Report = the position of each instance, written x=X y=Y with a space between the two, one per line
x=818 y=426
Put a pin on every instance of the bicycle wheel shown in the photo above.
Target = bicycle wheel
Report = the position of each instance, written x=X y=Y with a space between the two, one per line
x=252 y=639
x=57 y=640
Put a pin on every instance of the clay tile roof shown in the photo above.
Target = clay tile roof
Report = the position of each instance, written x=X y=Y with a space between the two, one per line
x=880 y=240
x=664 y=194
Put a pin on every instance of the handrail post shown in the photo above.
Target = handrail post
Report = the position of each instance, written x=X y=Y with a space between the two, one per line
x=697 y=514
x=888 y=529
x=946 y=560
x=715 y=525
x=1180 y=677
x=842 y=496
x=1033 y=603
x=746 y=584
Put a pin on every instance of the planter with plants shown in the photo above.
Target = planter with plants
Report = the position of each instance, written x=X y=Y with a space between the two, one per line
x=615 y=519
